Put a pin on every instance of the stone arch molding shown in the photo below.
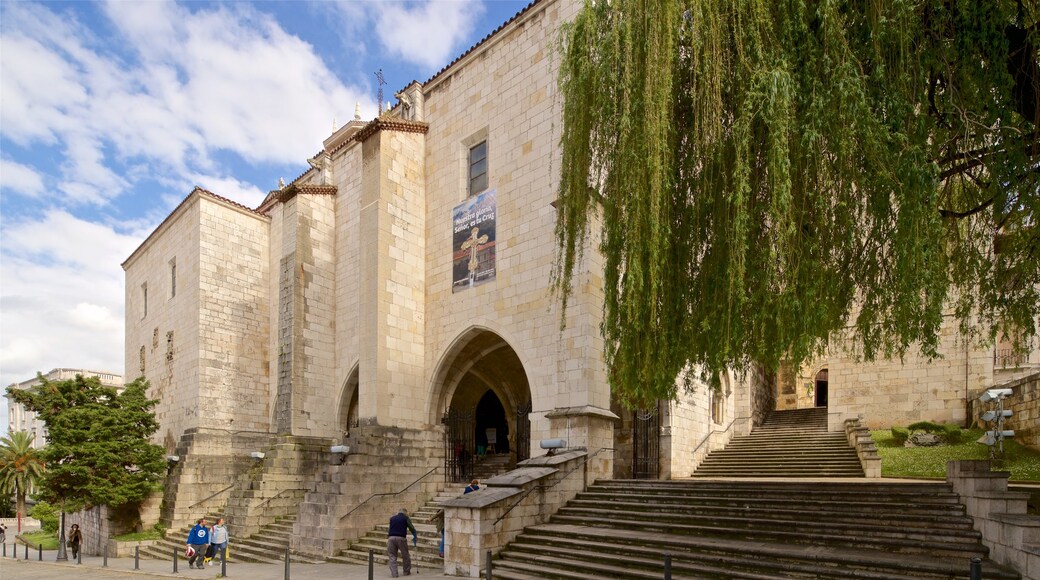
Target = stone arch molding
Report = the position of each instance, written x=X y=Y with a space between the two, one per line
x=462 y=358
x=348 y=398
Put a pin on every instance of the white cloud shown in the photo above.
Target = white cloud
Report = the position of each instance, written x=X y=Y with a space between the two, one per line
x=175 y=85
x=61 y=296
x=428 y=34
x=246 y=194
x=20 y=179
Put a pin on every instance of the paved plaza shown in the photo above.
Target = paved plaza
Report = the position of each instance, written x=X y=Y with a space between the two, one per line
x=123 y=569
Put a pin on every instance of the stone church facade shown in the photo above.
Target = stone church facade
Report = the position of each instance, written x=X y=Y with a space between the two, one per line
x=393 y=302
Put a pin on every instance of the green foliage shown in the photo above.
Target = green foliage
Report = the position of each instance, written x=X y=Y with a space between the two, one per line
x=48 y=515
x=98 y=451
x=900 y=435
x=953 y=434
x=766 y=176
x=926 y=426
x=6 y=507
x=21 y=466
x=44 y=538
x=899 y=461
x=139 y=536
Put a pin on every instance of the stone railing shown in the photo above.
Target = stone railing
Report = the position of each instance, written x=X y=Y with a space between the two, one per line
x=859 y=437
x=1012 y=536
x=486 y=520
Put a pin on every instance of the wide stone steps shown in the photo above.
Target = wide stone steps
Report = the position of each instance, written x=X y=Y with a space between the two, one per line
x=426 y=554
x=788 y=444
x=266 y=547
x=752 y=529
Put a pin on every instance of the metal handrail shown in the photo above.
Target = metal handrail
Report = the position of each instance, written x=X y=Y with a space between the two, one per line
x=714 y=431
x=524 y=495
x=202 y=501
x=263 y=503
x=375 y=495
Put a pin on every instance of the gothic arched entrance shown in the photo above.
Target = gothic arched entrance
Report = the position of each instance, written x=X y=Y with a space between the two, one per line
x=486 y=400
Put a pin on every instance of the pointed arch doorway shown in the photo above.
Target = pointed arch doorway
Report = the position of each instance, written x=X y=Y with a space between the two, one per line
x=487 y=401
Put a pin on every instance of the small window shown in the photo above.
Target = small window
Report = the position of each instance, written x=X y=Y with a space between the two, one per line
x=173 y=277
x=144 y=299
x=142 y=359
x=478 y=177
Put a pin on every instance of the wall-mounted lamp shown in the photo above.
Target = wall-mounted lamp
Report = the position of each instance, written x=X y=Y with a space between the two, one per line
x=173 y=458
x=552 y=445
x=339 y=453
x=257 y=455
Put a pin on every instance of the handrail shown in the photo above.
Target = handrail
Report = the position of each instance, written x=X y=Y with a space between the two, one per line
x=202 y=501
x=714 y=431
x=375 y=495
x=263 y=503
x=524 y=495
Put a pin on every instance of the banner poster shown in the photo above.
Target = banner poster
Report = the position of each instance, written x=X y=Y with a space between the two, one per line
x=473 y=242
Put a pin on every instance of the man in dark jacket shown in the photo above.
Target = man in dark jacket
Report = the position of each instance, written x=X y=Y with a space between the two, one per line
x=198 y=539
x=397 y=541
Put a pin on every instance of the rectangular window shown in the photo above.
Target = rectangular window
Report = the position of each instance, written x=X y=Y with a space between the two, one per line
x=173 y=277
x=478 y=165
x=144 y=299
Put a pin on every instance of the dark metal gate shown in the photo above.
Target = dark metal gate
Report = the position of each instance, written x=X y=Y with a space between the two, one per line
x=646 y=443
x=459 y=444
x=523 y=431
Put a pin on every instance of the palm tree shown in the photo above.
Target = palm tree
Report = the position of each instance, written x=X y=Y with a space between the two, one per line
x=21 y=468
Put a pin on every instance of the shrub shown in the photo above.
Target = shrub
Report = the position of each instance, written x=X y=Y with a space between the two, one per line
x=952 y=433
x=926 y=426
x=47 y=514
x=900 y=434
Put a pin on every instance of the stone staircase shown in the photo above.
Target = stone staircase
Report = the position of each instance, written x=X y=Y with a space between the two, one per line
x=266 y=547
x=788 y=444
x=488 y=466
x=425 y=555
x=752 y=529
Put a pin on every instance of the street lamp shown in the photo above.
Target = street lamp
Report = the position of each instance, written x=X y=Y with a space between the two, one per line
x=63 y=556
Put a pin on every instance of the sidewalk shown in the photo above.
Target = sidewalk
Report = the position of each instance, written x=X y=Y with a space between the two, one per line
x=123 y=568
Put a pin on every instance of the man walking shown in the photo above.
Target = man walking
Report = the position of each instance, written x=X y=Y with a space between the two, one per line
x=198 y=539
x=397 y=541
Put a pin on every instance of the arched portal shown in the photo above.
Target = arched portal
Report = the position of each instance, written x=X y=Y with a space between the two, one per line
x=348 y=402
x=821 y=388
x=486 y=399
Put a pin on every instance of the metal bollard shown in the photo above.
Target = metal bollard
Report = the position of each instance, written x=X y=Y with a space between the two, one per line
x=976 y=568
x=137 y=557
x=667 y=567
x=371 y=560
x=39 y=550
x=487 y=564
x=223 y=562
x=175 y=550
x=287 y=563
x=104 y=560
x=79 y=556
x=27 y=551
x=5 y=550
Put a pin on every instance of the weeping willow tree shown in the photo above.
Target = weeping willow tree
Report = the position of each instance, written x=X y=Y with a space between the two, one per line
x=770 y=174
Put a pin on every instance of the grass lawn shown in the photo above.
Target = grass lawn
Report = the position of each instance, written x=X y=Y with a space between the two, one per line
x=899 y=461
x=48 y=539
x=139 y=536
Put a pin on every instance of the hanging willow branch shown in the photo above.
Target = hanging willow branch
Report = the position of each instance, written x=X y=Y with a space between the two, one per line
x=770 y=174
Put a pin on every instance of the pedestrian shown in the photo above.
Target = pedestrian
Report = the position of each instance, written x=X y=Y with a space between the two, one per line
x=75 y=540
x=473 y=486
x=397 y=541
x=219 y=539
x=198 y=541
x=3 y=534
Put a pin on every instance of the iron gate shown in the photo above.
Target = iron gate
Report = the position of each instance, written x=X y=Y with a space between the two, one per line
x=523 y=431
x=459 y=444
x=646 y=443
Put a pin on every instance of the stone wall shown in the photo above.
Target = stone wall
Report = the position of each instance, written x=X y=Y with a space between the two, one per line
x=490 y=518
x=387 y=468
x=98 y=524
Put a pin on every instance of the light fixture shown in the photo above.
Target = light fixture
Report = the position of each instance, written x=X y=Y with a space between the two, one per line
x=552 y=445
x=340 y=452
x=257 y=455
x=173 y=458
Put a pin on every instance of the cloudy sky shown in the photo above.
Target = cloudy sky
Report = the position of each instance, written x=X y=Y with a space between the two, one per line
x=111 y=112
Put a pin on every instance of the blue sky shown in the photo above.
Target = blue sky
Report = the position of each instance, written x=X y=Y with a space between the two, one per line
x=111 y=112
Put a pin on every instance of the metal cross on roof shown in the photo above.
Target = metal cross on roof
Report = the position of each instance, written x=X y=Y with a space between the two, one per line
x=382 y=81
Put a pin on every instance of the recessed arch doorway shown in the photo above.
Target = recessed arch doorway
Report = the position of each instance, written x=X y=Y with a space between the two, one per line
x=486 y=399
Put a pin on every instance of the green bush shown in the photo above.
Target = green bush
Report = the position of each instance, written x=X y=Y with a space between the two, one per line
x=900 y=434
x=47 y=514
x=952 y=433
x=926 y=426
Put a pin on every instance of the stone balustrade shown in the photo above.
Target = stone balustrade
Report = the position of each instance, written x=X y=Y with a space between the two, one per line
x=866 y=449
